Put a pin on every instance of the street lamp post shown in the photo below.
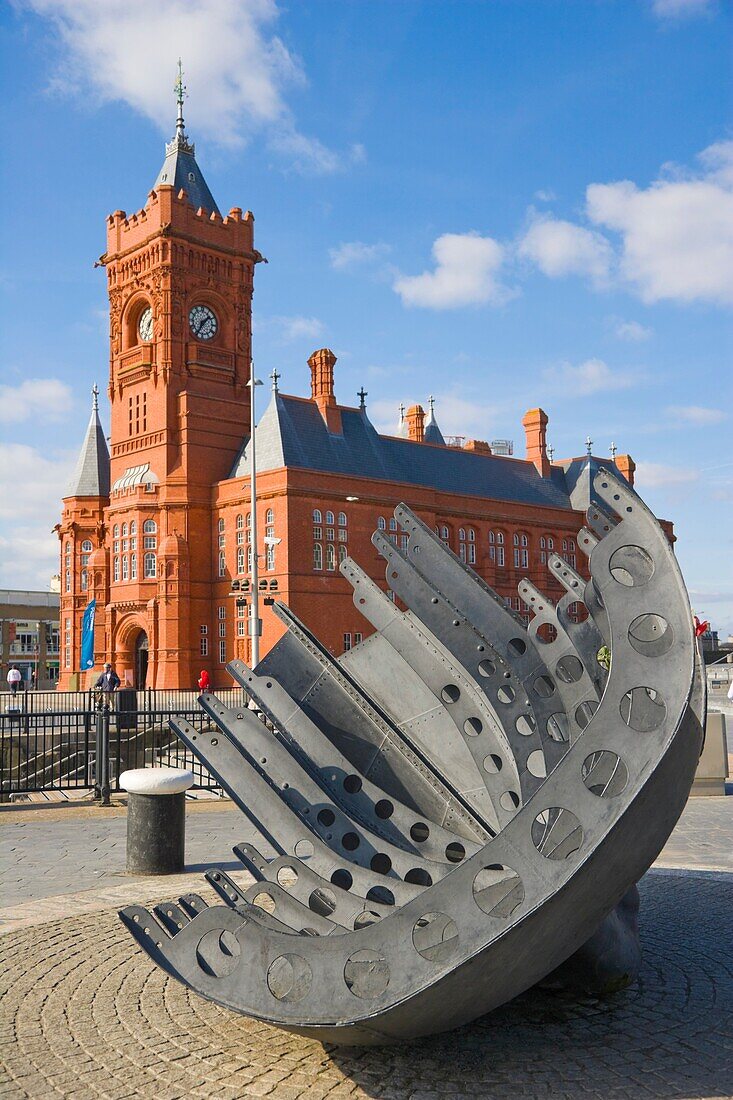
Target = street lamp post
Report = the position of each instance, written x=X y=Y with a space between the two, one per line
x=255 y=623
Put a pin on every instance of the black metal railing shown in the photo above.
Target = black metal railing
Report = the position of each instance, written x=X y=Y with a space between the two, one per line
x=48 y=738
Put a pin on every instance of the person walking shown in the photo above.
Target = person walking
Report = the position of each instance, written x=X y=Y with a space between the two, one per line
x=204 y=681
x=14 y=679
x=107 y=683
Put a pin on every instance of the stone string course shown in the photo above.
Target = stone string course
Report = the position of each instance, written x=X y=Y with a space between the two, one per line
x=86 y=1014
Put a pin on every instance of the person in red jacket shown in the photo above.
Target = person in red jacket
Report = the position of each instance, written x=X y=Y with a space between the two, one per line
x=204 y=681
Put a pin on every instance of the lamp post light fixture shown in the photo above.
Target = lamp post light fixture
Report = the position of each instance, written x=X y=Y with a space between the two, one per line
x=352 y=500
x=255 y=623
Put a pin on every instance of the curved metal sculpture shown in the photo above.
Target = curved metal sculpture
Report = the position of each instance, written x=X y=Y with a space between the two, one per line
x=458 y=802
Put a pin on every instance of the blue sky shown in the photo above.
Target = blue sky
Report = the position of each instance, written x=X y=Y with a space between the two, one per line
x=504 y=203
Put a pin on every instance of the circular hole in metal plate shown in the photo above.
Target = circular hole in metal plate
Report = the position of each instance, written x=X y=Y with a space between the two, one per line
x=455 y=852
x=304 y=849
x=643 y=709
x=472 y=727
x=342 y=878
x=419 y=832
x=384 y=809
x=505 y=694
x=604 y=773
x=557 y=726
x=544 y=686
x=651 y=635
x=322 y=901
x=556 y=833
x=264 y=901
x=365 y=918
x=450 y=694
x=517 y=646
x=326 y=817
x=289 y=977
x=350 y=841
x=569 y=669
x=585 y=712
x=498 y=890
x=418 y=876
x=435 y=937
x=286 y=876
x=486 y=667
x=380 y=863
x=509 y=800
x=352 y=784
x=218 y=952
x=381 y=895
x=631 y=566
x=493 y=763
x=546 y=633
x=525 y=724
x=536 y=764
x=366 y=974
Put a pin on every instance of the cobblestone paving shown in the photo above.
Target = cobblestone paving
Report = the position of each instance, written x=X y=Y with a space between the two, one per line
x=86 y=1014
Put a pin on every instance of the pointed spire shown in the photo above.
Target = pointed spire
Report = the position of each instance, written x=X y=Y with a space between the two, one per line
x=91 y=476
x=180 y=170
x=433 y=433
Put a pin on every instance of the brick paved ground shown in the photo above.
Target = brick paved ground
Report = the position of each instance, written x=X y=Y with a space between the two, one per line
x=86 y=1014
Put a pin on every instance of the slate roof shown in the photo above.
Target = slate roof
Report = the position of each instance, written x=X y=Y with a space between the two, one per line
x=180 y=170
x=91 y=476
x=433 y=433
x=292 y=432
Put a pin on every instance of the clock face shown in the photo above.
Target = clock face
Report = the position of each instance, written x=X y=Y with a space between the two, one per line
x=203 y=322
x=145 y=324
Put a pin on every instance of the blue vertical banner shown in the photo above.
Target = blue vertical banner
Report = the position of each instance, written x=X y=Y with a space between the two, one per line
x=87 y=636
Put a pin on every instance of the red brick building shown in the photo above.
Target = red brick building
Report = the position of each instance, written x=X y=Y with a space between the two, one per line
x=158 y=530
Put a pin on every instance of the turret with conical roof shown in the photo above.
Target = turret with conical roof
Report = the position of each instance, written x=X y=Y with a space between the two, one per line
x=91 y=476
x=180 y=169
x=433 y=433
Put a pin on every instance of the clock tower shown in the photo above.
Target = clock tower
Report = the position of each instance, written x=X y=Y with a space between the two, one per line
x=180 y=280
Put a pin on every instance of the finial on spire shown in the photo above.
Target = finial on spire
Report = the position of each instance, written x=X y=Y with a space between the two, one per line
x=613 y=449
x=180 y=89
x=588 y=444
x=362 y=395
x=275 y=376
x=550 y=452
x=95 y=398
x=431 y=402
x=402 y=411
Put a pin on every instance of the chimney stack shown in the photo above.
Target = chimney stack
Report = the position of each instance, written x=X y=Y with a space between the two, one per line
x=626 y=466
x=416 y=423
x=321 y=364
x=535 y=429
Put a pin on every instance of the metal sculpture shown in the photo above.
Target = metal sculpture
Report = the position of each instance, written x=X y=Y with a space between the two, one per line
x=458 y=802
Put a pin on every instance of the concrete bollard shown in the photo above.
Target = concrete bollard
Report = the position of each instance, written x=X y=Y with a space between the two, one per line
x=156 y=819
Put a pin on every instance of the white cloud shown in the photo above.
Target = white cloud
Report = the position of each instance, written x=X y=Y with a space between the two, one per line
x=353 y=254
x=465 y=273
x=562 y=248
x=695 y=415
x=238 y=71
x=681 y=9
x=591 y=376
x=545 y=196
x=291 y=329
x=45 y=400
x=632 y=331
x=31 y=487
x=677 y=234
x=655 y=475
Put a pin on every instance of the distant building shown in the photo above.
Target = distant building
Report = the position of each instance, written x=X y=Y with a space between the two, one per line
x=29 y=636
x=159 y=532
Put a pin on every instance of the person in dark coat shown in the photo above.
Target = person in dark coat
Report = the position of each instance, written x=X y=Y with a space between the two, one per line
x=109 y=680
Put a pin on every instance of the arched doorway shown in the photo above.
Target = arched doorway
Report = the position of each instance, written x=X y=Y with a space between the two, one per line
x=141 y=660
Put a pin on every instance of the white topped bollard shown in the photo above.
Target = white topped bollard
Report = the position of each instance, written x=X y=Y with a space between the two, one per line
x=156 y=819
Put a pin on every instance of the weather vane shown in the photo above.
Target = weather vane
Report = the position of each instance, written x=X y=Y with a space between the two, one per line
x=180 y=89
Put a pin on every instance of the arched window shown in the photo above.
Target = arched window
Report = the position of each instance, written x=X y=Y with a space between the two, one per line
x=329 y=519
x=462 y=534
x=392 y=523
x=492 y=537
x=330 y=556
x=496 y=548
x=86 y=547
x=550 y=542
x=317 y=517
x=240 y=559
x=116 y=531
x=342 y=519
x=240 y=530
x=543 y=542
x=221 y=526
x=471 y=534
x=523 y=540
x=269 y=516
x=382 y=523
x=471 y=546
x=149 y=527
x=343 y=553
x=571 y=544
x=240 y=522
x=500 y=538
x=444 y=533
x=317 y=555
x=516 y=539
x=133 y=528
x=222 y=564
x=564 y=544
x=462 y=544
x=124 y=530
x=269 y=546
x=149 y=565
x=521 y=554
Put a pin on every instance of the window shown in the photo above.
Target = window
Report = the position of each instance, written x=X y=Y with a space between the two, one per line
x=550 y=542
x=329 y=518
x=125 y=572
x=116 y=530
x=269 y=547
x=149 y=565
x=222 y=652
x=249 y=557
x=317 y=517
x=392 y=523
x=133 y=528
x=86 y=547
x=462 y=534
x=462 y=552
x=133 y=544
x=149 y=542
x=543 y=557
x=240 y=560
x=500 y=557
x=221 y=526
x=543 y=542
x=500 y=538
x=571 y=544
x=317 y=532
x=330 y=534
x=124 y=530
x=445 y=534
x=347 y=642
x=472 y=553
x=222 y=541
x=404 y=541
x=67 y=643
x=317 y=556
x=133 y=567
x=241 y=628
x=125 y=545
x=116 y=569
x=330 y=556
x=382 y=523
x=248 y=523
x=521 y=559
x=240 y=530
x=84 y=580
x=269 y=516
x=149 y=527
x=67 y=580
x=203 y=630
x=221 y=613
x=204 y=647
x=357 y=638
x=342 y=519
x=222 y=630
x=564 y=544
x=343 y=553
x=222 y=564
x=342 y=534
